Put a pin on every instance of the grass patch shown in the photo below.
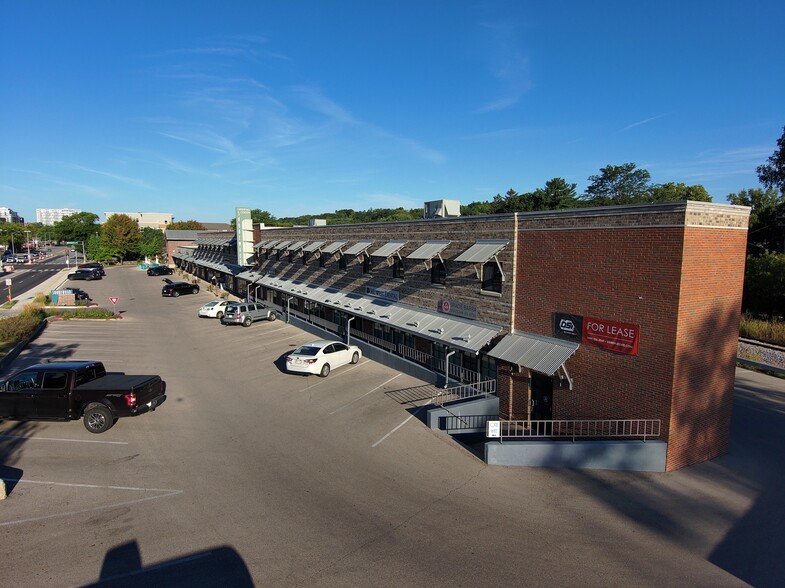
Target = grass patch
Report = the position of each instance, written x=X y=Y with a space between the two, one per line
x=762 y=330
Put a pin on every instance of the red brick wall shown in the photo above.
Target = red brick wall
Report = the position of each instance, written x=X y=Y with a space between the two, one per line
x=627 y=275
x=706 y=345
x=681 y=285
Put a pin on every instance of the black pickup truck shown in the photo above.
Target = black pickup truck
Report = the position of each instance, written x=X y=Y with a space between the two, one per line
x=69 y=390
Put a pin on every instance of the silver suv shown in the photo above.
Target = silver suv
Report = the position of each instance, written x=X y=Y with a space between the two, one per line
x=244 y=313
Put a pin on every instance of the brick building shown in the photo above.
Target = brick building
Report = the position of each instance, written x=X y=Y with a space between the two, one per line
x=612 y=313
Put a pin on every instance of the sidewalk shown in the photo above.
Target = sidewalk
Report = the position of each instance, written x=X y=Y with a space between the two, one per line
x=53 y=283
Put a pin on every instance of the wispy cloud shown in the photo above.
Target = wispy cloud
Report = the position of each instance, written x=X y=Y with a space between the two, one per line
x=508 y=64
x=642 y=122
x=124 y=179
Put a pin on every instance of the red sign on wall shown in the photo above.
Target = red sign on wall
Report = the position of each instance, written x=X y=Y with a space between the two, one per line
x=619 y=337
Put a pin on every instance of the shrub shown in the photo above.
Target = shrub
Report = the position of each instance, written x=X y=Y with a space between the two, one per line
x=768 y=331
x=16 y=328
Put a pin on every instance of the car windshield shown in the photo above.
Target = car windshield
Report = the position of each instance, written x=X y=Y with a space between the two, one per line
x=211 y=304
x=231 y=309
x=306 y=350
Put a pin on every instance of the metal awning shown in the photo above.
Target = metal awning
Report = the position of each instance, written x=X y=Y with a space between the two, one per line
x=455 y=332
x=428 y=251
x=226 y=268
x=281 y=245
x=535 y=352
x=296 y=246
x=358 y=248
x=313 y=246
x=265 y=244
x=483 y=250
x=388 y=250
x=333 y=247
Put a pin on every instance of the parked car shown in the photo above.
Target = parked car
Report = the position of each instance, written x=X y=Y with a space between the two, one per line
x=9 y=259
x=245 y=313
x=87 y=273
x=214 y=308
x=174 y=289
x=160 y=270
x=93 y=265
x=320 y=357
x=70 y=390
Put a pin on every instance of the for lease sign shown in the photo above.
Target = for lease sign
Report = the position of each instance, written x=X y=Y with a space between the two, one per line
x=612 y=335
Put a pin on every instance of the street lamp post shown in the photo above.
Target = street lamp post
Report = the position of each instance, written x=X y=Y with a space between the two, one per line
x=27 y=239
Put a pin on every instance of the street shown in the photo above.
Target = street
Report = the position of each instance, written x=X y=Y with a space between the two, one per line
x=249 y=475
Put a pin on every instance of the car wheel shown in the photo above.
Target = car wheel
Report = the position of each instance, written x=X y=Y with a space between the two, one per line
x=195 y=290
x=247 y=321
x=325 y=370
x=98 y=418
x=175 y=293
x=272 y=317
x=219 y=316
x=355 y=357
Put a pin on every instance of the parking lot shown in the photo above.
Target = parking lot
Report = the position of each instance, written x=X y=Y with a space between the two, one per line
x=249 y=475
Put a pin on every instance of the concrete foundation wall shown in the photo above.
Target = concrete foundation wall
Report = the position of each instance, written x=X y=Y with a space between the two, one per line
x=436 y=416
x=635 y=456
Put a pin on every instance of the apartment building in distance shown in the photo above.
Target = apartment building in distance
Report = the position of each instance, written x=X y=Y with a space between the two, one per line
x=10 y=216
x=49 y=216
x=154 y=220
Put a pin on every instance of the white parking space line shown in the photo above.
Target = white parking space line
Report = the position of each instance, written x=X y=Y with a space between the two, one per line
x=340 y=408
x=166 y=493
x=69 y=440
x=410 y=417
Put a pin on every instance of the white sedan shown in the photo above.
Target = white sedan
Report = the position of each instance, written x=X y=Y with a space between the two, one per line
x=319 y=357
x=214 y=309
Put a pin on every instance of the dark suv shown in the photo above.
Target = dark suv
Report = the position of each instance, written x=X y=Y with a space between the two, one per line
x=176 y=288
x=244 y=313
x=93 y=265
x=160 y=270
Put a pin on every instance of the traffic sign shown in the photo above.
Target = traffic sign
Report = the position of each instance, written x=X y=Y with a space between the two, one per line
x=72 y=242
x=114 y=300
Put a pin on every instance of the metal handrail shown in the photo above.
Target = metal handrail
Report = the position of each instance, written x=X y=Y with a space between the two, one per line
x=465 y=391
x=611 y=428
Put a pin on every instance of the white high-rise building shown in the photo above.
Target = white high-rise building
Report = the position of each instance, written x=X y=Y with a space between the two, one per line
x=50 y=216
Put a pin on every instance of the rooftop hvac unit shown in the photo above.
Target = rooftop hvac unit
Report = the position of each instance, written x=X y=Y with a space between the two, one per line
x=317 y=222
x=442 y=209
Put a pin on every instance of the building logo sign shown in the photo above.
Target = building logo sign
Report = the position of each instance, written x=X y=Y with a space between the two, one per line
x=468 y=311
x=391 y=295
x=568 y=326
x=610 y=335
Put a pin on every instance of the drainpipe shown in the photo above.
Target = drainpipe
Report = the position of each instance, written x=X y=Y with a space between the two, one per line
x=447 y=368
x=348 y=329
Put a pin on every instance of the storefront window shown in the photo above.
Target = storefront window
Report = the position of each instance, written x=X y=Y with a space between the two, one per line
x=367 y=265
x=342 y=263
x=322 y=259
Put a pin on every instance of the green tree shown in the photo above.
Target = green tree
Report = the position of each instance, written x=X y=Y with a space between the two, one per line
x=152 y=243
x=672 y=192
x=618 y=184
x=76 y=227
x=189 y=225
x=767 y=218
x=556 y=194
x=764 y=284
x=476 y=208
x=120 y=235
x=772 y=174
x=13 y=235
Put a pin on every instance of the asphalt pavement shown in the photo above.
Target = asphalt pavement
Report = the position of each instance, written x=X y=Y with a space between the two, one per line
x=250 y=476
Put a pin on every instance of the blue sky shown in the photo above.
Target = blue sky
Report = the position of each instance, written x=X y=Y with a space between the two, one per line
x=301 y=107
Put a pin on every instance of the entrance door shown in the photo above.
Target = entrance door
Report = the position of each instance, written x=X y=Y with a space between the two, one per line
x=542 y=397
